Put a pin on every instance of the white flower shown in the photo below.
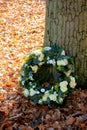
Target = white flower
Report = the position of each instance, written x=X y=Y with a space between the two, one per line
x=53 y=97
x=63 y=62
x=51 y=62
x=47 y=48
x=41 y=57
x=63 y=52
x=37 y=92
x=34 y=68
x=22 y=82
x=45 y=96
x=42 y=90
x=26 y=92
x=72 y=82
x=68 y=73
x=63 y=86
x=32 y=92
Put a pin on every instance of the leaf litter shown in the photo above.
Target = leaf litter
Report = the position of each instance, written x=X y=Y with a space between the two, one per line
x=22 y=24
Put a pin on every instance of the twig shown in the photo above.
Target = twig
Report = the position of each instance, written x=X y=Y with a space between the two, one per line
x=14 y=117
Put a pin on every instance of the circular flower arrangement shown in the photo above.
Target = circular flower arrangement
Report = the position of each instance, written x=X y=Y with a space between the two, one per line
x=47 y=75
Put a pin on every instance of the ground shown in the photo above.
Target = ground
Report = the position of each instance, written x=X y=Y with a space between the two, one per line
x=22 y=24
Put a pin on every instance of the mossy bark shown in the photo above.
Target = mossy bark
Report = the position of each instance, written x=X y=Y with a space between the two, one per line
x=66 y=25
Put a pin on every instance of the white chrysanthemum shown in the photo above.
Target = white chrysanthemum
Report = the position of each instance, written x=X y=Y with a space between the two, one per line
x=26 y=92
x=63 y=62
x=32 y=92
x=68 y=73
x=53 y=97
x=41 y=57
x=34 y=68
x=53 y=62
x=47 y=48
x=42 y=90
x=63 y=53
x=63 y=86
x=72 y=82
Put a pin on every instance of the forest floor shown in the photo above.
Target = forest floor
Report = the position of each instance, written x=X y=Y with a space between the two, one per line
x=22 y=24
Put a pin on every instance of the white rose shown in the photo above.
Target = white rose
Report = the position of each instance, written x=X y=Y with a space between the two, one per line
x=32 y=92
x=63 y=86
x=72 y=82
x=53 y=97
x=63 y=52
x=34 y=68
x=63 y=62
x=45 y=96
x=41 y=57
x=47 y=48
x=51 y=62
x=26 y=92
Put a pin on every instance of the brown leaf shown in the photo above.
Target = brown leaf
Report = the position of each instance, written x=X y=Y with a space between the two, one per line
x=70 y=121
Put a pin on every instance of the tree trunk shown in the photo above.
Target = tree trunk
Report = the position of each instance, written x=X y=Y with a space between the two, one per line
x=66 y=25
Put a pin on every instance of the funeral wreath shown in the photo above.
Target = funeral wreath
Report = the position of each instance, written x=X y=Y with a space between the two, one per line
x=47 y=75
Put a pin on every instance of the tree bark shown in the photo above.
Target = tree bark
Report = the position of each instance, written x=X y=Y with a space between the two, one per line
x=66 y=25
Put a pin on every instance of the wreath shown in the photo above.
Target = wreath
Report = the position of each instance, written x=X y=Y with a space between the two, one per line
x=47 y=75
